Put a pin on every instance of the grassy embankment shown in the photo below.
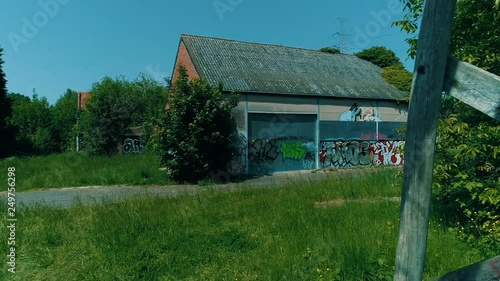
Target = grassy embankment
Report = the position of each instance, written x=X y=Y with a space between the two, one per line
x=78 y=169
x=250 y=234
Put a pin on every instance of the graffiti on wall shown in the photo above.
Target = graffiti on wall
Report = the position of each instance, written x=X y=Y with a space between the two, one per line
x=339 y=154
x=295 y=152
x=238 y=164
x=292 y=151
x=387 y=152
x=358 y=113
x=132 y=146
x=263 y=151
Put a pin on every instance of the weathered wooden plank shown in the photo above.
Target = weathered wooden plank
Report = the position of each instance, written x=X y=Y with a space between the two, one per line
x=423 y=115
x=473 y=86
x=487 y=270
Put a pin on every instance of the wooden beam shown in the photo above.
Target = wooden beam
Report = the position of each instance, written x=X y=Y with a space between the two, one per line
x=423 y=115
x=487 y=270
x=473 y=86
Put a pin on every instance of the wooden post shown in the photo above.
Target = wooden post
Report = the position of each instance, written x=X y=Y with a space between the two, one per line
x=423 y=115
x=473 y=86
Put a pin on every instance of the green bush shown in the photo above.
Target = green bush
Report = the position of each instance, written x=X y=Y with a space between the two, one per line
x=467 y=174
x=193 y=137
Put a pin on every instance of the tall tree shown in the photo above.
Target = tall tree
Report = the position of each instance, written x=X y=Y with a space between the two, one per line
x=107 y=115
x=64 y=117
x=33 y=123
x=6 y=141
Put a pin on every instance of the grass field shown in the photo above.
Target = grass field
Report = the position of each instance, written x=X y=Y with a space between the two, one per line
x=249 y=234
x=79 y=169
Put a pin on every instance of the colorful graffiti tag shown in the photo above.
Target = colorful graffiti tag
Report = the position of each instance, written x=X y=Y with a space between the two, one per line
x=292 y=151
x=282 y=153
x=295 y=153
x=387 y=152
x=340 y=154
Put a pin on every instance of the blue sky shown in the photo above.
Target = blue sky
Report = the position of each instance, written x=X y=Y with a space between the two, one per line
x=53 y=45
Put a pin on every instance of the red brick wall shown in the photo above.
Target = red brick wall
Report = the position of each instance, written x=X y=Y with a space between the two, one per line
x=184 y=59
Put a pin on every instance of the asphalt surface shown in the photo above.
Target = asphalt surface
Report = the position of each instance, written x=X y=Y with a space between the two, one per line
x=71 y=196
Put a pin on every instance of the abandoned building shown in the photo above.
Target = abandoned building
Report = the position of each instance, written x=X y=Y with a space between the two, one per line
x=300 y=109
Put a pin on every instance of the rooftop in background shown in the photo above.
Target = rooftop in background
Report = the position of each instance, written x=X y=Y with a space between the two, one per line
x=260 y=68
x=82 y=96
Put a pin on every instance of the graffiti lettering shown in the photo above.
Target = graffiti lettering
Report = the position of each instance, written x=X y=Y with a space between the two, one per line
x=355 y=153
x=345 y=154
x=132 y=146
x=263 y=151
x=292 y=150
x=386 y=153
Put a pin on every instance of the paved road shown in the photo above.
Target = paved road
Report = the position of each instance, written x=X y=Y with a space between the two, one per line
x=67 y=197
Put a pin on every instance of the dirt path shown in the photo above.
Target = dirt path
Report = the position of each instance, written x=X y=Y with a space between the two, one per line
x=67 y=197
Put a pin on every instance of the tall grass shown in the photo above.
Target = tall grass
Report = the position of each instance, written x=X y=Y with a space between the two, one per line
x=247 y=234
x=79 y=169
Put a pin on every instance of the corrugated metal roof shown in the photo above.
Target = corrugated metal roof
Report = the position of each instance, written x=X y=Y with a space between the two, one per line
x=261 y=68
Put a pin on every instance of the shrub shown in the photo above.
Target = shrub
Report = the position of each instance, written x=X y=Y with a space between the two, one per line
x=195 y=133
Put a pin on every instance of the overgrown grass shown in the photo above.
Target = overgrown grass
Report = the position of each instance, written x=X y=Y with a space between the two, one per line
x=79 y=169
x=249 y=234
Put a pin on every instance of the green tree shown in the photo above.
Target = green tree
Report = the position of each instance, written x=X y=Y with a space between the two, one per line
x=476 y=34
x=6 y=132
x=330 y=50
x=380 y=56
x=16 y=98
x=393 y=70
x=399 y=77
x=151 y=102
x=64 y=118
x=116 y=105
x=466 y=182
x=33 y=123
x=193 y=138
x=107 y=115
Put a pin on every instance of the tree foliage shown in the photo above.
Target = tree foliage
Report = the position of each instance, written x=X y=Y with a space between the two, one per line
x=64 y=118
x=32 y=121
x=114 y=106
x=399 y=77
x=6 y=132
x=194 y=135
x=330 y=50
x=466 y=182
x=476 y=34
x=380 y=56
x=393 y=70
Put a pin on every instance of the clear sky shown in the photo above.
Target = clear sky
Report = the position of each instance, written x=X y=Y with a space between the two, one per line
x=53 y=45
